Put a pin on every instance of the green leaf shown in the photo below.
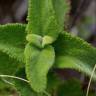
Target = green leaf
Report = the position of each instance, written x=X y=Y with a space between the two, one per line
x=8 y=66
x=42 y=19
x=13 y=52
x=70 y=88
x=73 y=52
x=13 y=34
x=38 y=63
x=12 y=40
x=62 y=8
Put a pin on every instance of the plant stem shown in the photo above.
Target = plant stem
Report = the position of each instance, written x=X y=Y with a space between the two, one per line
x=14 y=77
x=88 y=88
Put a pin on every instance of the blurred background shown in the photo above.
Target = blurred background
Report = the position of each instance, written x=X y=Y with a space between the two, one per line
x=82 y=23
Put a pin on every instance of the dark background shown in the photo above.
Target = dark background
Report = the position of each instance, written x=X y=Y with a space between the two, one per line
x=82 y=16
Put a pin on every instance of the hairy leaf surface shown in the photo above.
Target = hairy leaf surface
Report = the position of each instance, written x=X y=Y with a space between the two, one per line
x=73 y=52
x=38 y=63
x=42 y=18
x=12 y=40
x=61 y=8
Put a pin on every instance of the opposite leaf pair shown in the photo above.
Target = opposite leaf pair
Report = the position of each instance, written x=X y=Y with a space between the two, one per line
x=45 y=24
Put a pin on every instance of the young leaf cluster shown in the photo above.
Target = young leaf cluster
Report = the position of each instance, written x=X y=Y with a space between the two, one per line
x=31 y=51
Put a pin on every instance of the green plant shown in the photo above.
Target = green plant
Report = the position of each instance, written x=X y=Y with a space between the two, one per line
x=32 y=51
